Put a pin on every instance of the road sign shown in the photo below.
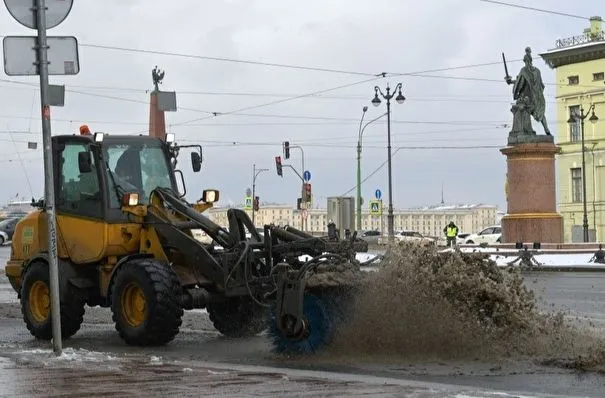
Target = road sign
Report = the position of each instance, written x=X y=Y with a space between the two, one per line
x=248 y=202
x=378 y=194
x=375 y=207
x=307 y=175
x=248 y=192
x=166 y=101
x=42 y=15
x=21 y=57
x=56 y=12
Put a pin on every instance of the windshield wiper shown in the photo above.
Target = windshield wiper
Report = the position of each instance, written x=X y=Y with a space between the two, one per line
x=116 y=186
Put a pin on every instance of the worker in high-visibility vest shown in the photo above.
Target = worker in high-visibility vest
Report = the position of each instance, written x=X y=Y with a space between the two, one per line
x=451 y=232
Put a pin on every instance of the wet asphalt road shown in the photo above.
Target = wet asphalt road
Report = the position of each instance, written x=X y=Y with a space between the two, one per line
x=200 y=362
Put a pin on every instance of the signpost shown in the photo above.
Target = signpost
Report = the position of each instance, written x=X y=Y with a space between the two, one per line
x=248 y=203
x=378 y=194
x=43 y=15
x=307 y=176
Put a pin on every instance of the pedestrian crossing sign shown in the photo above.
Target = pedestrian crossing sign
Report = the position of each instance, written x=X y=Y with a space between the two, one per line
x=375 y=207
x=248 y=202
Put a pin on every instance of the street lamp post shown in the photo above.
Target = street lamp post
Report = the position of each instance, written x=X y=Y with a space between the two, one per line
x=358 y=201
x=575 y=118
x=359 y=142
x=255 y=174
x=376 y=102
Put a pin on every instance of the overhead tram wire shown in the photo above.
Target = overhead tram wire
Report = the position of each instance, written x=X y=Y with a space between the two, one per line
x=381 y=166
x=564 y=14
x=279 y=101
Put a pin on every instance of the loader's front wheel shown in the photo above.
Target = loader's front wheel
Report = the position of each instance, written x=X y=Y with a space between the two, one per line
x=237 y=317
x=145 y=302
x=35 y=304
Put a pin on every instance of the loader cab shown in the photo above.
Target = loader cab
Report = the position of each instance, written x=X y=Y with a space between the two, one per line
x=92 y=173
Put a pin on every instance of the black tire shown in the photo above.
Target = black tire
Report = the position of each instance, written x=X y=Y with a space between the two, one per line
x=470 y=242
x=238 y=317
x=35 y=304
x=158 y=288
x=1 y=240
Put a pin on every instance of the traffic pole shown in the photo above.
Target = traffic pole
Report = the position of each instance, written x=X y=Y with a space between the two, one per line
x=49 y=191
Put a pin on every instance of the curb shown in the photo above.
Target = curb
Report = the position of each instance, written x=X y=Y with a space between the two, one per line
x=571 y=268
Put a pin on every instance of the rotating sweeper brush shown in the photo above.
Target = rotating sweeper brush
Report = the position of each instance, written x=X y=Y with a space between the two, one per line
x=311 y=295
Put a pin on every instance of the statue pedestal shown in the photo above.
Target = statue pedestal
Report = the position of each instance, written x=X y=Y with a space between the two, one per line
x=531 y=192
x=157 y=121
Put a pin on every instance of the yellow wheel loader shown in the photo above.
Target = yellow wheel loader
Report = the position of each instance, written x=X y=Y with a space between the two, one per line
x=124 y=241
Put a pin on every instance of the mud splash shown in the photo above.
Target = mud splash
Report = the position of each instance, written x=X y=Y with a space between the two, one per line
x=426 y=305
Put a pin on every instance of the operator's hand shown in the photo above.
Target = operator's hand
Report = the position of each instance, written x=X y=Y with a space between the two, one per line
x=508 y=80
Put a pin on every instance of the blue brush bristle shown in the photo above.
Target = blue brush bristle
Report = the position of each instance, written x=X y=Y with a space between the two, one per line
x=318 y=315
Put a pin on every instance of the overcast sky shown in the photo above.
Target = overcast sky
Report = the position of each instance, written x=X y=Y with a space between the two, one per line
x=396 y=36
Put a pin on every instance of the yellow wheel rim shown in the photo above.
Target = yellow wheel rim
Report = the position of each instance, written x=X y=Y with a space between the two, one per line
x=39 y=301
x=134 y=306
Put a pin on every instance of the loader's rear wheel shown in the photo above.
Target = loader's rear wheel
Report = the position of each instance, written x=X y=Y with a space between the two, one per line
x=145 y=302
x=318 y=318
x=35 y=304
x=237 y=317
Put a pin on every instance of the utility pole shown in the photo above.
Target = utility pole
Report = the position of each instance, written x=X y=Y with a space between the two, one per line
x=49 y=191
x=255 y=174
x=376 y=102
x=287 y=147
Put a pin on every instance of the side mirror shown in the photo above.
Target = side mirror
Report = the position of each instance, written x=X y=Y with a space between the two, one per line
x=84 y=162
x=196 y=161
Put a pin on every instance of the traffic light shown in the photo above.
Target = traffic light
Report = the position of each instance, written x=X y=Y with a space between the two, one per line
x=256 y=203
x=287 y=149
x=307 y=192
x=278 y=166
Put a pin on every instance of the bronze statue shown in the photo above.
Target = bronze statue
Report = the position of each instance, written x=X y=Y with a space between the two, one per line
x=528 y=92
x=157 y=77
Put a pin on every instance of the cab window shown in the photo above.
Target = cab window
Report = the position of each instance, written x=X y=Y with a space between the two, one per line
x=135 y=168
x=78 y=193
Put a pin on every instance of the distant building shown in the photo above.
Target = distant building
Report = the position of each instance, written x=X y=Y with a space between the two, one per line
x=16 y=208
x=428 y=221
x=579 y=62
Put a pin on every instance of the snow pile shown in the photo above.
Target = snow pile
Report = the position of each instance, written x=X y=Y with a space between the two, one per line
x=428 y=305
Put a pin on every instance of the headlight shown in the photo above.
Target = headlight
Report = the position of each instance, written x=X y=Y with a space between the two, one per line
x=210 y=196
x=130 y=199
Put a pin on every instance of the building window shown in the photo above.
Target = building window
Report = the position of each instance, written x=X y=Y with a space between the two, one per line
x=598 y=76
x=576 y=185
x=574 y=128
x=573 y=80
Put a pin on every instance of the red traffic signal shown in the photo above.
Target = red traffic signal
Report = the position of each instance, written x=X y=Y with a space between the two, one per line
x=278 y=166
x=256 y=205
